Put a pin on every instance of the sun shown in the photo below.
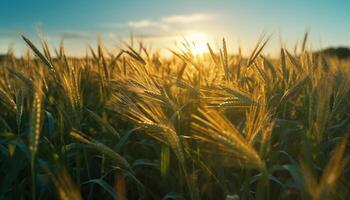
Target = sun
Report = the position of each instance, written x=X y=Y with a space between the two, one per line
x=197 y=42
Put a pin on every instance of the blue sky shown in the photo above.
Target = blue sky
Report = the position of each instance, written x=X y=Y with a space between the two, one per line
x=160 y=22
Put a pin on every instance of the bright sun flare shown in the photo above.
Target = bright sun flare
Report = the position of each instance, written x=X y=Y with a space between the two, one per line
x=197 y=41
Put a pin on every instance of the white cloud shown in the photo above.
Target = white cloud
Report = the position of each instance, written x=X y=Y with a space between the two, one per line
x=163 y=24
x=144 y=23
x=185 y=18
x=141 y=24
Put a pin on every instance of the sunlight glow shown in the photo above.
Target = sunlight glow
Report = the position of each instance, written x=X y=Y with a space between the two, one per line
x=197 y=42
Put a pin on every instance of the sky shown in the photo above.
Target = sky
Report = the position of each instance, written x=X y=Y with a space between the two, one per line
x=162 y=24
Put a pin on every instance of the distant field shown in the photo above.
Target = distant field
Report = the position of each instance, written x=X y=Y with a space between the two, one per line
x=134 y=125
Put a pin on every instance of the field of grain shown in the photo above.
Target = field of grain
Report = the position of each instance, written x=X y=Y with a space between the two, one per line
x=135 y=125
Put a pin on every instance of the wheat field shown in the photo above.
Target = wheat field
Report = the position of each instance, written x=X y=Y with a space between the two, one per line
x=134 y=125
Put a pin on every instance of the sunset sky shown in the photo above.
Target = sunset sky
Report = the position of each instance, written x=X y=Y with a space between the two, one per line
x=163 y=23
